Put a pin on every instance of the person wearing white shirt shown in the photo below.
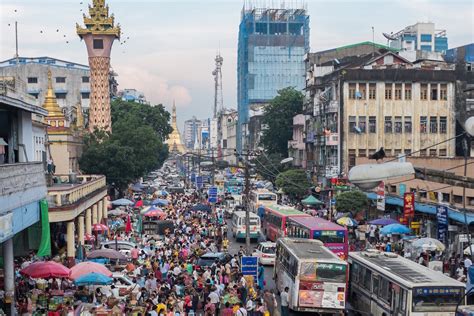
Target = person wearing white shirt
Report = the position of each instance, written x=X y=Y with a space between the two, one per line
x=467 y=262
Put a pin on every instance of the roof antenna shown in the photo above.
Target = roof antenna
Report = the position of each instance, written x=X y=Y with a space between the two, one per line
x=373 y=41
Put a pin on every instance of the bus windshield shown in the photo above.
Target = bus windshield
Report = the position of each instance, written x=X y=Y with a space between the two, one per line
x=432 y=298
x=329 y=236
x=267 y=197
x=323 y=272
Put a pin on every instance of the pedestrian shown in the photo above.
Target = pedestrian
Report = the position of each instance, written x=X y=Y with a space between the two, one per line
x=261 y=276
x=285 y=302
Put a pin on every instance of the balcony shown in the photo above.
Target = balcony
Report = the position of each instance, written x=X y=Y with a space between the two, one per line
x=21 y=184
x=66 y=193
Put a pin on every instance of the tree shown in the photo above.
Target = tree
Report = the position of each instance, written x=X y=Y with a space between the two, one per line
x=135 y=147
x=293 y=182
x=351 y=201
x=278 y=117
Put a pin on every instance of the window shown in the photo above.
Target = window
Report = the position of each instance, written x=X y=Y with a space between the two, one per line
x=388 y=91
x=32 y=79
x=98 y=44
x=443 y=92
x=398 y=92
x=398 y=125
x=424 y=92
x=352 y=124
x=457 y=199
x=397 y=152
x=352 y=158
x=422 y=153
x=432 y=152
x=407 y=91
x=407 y=152
x=362 y=91
x=388 y=152
x=393 y=188
x=224 y=143
x=61 y=95
x=362 y=124
x=443 y=122
x=352 y=91
x=434 y=91
x=433 y=124
x=85 y=79
x=385 y=290
x=372 y=124
x=85 y=95
x=388 y=124
x=367 y=279
x=425 y=37
x=423 y=124
x=443 y=152
x=375 y=284
x=371 y=151
x=362 y=153
x=60 y=79
x=372 y=91
x=407 y=124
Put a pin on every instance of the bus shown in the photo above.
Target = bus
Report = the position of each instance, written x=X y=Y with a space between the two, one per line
x=384 y=283
x=331 y=234
x=261 y=198
x=239 y=227
x=275 y=218
x=316 y=277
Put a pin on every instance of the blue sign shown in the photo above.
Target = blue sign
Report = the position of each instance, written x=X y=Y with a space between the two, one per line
x=442 y=215
x=249 y=266
x=402 y=188
x=212 y=199
x=193 y=177
x=212 y=191
x=333 y=201
x=199 y=182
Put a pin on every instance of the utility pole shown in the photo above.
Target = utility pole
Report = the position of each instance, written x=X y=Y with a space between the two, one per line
x=247 y=209
x=468 y=233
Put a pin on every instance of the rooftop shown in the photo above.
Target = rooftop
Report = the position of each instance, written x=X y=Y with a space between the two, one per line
x=43 y=60
x=285 y=211
x=309 y=249
x=316 y=223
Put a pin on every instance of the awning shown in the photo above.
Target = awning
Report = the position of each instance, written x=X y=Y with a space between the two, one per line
x=453 y=214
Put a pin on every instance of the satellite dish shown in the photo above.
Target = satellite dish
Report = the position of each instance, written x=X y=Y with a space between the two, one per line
x=389 y=37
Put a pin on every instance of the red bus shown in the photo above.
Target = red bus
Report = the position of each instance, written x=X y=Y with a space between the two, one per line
x=275 y=218
x=331 y=234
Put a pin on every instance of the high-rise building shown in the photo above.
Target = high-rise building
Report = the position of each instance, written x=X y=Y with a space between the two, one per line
x=272 y=45
x=191 y=128
x=99 y=34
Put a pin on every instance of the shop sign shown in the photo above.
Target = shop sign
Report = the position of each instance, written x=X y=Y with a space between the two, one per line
x=340 y=184
x=381 y=196
x=442 y=215
x=409 y=205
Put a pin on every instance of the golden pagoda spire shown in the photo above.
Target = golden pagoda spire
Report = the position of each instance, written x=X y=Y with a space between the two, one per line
x=174 y=139
x=50 y=102
x=99 y=21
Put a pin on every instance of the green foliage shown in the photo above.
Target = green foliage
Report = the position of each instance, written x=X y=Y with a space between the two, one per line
x=278 y=116
x=351 y=201
x=135 y=147
x=293 y=182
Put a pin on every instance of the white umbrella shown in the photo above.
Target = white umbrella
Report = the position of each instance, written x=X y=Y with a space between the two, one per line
x=429 y=244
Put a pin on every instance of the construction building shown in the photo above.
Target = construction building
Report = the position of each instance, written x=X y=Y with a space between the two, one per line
x=420 y=36
x=271 y=49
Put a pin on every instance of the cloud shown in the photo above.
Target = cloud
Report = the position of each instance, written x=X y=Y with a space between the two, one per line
x=157 y=89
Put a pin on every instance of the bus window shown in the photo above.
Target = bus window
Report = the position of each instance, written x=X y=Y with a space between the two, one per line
x=355 y=268
x=375 y=284
x=308 y=271
x=267 y=197
x=367 y=279
x=403 y=300
x=329 y=272
x=329 y=236
x=385 y=290
x=427 y=299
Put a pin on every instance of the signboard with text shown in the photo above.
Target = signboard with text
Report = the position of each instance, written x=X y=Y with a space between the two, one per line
x=381 y=196
x=442 y=215
x=249 y=266
x=409 y=205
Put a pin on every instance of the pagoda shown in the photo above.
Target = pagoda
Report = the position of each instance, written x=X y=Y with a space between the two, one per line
x=99 y=34
x=174 y=142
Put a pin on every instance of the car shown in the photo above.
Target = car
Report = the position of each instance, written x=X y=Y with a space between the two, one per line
x=209 y=258
x=122 y=246
x=265 y=251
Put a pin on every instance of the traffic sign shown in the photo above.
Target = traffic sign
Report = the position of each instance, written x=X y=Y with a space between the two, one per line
x=249 y=266
x=212 y=191
x=212 y=199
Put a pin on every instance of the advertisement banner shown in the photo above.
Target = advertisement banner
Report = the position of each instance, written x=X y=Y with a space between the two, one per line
x=442 y=215
x=381 y=196
x=409 y=205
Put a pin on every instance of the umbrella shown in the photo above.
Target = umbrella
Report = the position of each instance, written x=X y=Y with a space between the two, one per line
x=311 y=200
x=467 y=251
x=384 y=221
x=89 y=237
x=429 y=243
x=128 y=226
x=160 y=202
x=155 y=213
x=93 y=279
x=107 y=253
x=46 y=269
x=117 y=212
x=201 y=207
x=395 y=229
x=122 y=202
x=137 y=187
x=139 y=203
x=99 y=227
x=87 y=267
x=347 y=221
x=150 y=209
x=162 y=193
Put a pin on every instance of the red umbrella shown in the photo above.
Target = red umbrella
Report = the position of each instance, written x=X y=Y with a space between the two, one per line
x=46 y=269
x=88 y=267
x=99 y=227
x=155 y=213
x=128 y=226
x=139 y=203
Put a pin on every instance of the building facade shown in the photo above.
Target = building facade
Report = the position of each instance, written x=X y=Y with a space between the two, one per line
x=420 y=36
x=132 y=95
x=296 y=146
x=191 y=128
x=271 y=49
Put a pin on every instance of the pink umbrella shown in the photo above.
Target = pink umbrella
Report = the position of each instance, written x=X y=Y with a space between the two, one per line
x=128 y=226
x=88 y=267
x=46 y=269
x=155 y=213
x=99 y=227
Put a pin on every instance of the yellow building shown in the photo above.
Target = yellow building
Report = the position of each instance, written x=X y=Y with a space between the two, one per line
x=174 y=142
x=64 y=140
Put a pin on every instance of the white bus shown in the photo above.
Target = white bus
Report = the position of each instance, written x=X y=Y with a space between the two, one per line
x=385 y=284
x=261 y=197
x=239 y=227
x=316 y=277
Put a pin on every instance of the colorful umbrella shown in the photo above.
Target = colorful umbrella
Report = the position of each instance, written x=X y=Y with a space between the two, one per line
x=122 y=202
x=160 y=202
x=397 y=229
x=347 y=221
x=155 y=213
x=128 y=226
x=88 y=267
x=150 y=209
x=93 y=279
x=46 y=269
x=89 y=237
x=107 y=253
x=384 y=221
x=99 y=227
x=117 y=212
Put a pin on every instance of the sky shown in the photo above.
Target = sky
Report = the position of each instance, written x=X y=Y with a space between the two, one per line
x=171 y=44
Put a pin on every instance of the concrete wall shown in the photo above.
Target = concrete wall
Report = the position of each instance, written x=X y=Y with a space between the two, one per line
x=25 y=136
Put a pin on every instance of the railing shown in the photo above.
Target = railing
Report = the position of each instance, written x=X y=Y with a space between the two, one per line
x=68 y=193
